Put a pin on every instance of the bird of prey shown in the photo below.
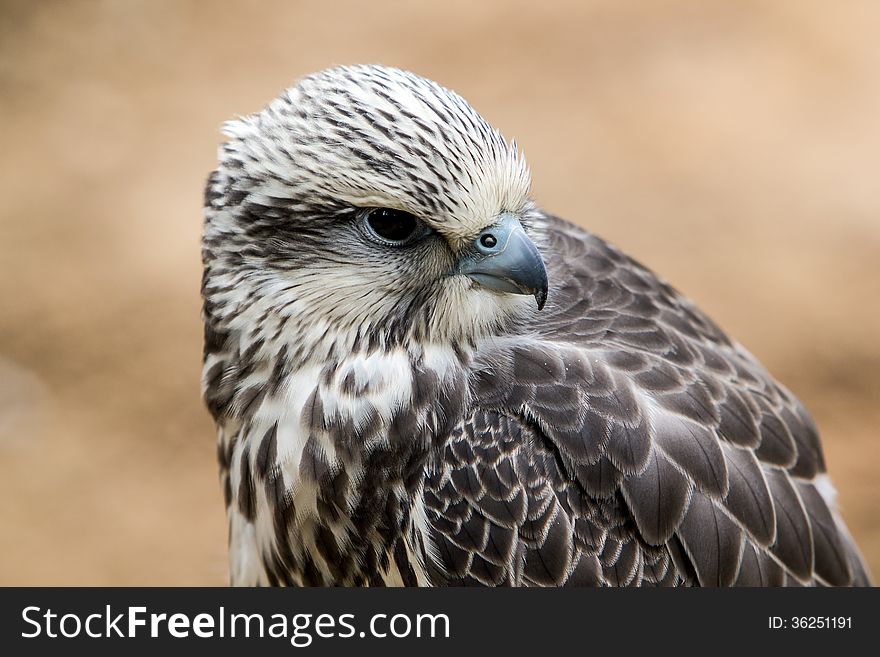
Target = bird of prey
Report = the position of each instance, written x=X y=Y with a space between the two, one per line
x=421 y=378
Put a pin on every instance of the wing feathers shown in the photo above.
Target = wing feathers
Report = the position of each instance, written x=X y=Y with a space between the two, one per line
x=757 y=568
x=737 y=422
x=658 y=498
x=549 y=565
x=628 y=447
x=831 y=559
x=777 y=445
x=794 y=540
x=695 y=449
x=713 y=542
x=599 y=479
x=748 y=499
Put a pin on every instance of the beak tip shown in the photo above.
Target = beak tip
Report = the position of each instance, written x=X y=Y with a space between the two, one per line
x=541 y=298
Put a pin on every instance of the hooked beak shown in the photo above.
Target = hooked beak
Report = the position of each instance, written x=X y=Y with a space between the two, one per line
x=504 y=259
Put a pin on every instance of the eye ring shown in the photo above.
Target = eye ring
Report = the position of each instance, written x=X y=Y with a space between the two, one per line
x=488 y=241
x=393 y=227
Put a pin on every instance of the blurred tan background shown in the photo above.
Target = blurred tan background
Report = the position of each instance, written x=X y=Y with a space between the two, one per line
x=734 y=147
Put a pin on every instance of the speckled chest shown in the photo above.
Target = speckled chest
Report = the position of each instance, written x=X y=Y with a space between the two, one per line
x=324 y=477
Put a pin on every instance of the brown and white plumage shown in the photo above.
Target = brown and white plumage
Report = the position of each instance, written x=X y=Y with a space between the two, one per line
x=403 y=412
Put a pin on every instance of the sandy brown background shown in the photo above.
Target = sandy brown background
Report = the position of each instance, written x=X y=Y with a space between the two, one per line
x=732 y=146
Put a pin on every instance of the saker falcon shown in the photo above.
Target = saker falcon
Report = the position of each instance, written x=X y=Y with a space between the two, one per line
x=421 y=378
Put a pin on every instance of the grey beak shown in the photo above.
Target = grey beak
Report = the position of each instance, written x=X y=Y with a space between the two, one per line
x=503 y=258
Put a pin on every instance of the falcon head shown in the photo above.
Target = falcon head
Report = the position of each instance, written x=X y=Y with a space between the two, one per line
x=368 y=205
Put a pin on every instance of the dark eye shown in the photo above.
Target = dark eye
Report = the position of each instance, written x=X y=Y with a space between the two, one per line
x=392 y=226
